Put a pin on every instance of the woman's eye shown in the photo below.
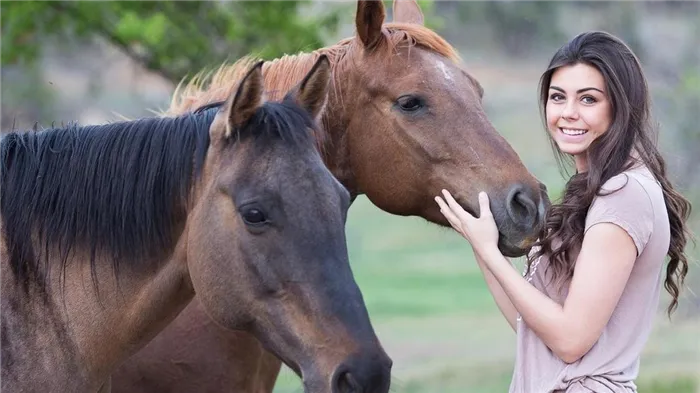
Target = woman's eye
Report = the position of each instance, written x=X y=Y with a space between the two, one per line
x=410 y=103
x=254 y=217
x=588 y=100
x=556 y=97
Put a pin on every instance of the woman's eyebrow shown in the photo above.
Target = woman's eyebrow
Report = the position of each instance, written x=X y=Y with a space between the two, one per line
x=577 y=91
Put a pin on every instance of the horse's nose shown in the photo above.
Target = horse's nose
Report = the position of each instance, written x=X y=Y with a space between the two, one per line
x=363 y=374
x=522 y=206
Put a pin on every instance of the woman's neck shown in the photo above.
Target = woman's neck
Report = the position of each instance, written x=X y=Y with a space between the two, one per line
x=581 y=162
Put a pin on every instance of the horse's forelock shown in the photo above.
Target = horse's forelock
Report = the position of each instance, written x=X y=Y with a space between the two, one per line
x=417 y=35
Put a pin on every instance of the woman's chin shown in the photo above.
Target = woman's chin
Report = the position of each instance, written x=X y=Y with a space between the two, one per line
x=572 y=149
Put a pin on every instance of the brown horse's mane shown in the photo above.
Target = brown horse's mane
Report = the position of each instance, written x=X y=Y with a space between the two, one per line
x=283 y=73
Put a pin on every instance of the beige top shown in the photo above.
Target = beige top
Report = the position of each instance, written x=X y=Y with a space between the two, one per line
x=612 y=364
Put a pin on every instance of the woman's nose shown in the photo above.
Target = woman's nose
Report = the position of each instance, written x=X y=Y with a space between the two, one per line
x=570 y=110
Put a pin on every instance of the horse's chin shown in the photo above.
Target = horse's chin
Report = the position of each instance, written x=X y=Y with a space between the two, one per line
x=510 y=250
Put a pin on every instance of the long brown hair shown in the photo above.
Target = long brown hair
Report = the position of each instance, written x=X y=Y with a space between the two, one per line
x=610 y=154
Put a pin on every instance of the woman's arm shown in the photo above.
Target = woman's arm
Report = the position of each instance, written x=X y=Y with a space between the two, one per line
x=601 y=273
x=602 y=269
x=499 y=296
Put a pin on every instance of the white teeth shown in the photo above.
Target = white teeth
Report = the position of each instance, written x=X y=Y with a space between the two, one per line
x=572 y=131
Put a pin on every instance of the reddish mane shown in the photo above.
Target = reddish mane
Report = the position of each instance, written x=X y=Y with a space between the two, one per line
x=282 y=73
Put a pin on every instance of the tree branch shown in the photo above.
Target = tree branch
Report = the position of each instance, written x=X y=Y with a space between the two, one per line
x=100 y=29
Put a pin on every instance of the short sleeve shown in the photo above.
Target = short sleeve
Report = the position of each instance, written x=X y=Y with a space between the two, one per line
x=628 y=206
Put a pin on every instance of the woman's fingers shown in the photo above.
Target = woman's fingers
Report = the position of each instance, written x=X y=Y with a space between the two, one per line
x=484 y=204
x=462 y=214
x=449 y=214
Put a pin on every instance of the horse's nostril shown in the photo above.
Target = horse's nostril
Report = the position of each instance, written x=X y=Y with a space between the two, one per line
x=346 y=384
x=521 y=207
x=364 y=372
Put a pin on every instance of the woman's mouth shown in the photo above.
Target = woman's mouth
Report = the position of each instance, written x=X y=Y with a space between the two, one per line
x=572 y=131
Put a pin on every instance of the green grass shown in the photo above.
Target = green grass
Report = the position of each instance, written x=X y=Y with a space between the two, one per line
x=670 y=385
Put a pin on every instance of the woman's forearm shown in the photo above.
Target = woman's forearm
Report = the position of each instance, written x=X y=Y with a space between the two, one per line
x=499 y=296
x=542 y=314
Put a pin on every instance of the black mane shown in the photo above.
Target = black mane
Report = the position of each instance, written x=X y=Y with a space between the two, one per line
x=118 y=189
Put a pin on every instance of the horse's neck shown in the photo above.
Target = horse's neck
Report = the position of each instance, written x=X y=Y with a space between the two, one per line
x=38 y=352
x=131 y=311
x=68 y=338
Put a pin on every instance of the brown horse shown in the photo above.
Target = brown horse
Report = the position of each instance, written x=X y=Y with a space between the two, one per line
x=404 y=120
x=232 y=202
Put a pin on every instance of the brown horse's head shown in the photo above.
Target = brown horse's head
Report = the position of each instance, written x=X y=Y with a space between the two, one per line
x=266 y=245
x=404 y=120
x=415 y=124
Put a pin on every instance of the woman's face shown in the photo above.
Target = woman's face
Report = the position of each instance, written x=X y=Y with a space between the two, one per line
x=578 y=110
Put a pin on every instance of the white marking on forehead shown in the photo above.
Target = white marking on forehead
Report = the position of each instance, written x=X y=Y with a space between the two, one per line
x=445 y=71
x=475 y=153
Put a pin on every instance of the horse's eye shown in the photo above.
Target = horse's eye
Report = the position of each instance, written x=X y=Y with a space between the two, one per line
x=410 y=103
x=254 y=217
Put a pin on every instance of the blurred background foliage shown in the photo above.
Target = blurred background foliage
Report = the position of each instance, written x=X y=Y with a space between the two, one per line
x=171 y=38
x=88 y=61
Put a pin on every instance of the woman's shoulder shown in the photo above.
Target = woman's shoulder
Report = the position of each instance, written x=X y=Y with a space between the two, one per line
x=634 y=185
x=630 y=200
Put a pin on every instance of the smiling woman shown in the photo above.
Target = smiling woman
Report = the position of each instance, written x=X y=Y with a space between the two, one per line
x=585 y=308
x=578 y=110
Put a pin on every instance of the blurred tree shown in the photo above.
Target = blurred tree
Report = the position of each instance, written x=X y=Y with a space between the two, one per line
x=23 y=99
x=682 y=113
x=173 y=39
x=528 y=22
x=517 y=25
x=432 y=20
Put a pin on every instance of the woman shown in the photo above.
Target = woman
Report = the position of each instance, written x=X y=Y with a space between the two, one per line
x=584 y=308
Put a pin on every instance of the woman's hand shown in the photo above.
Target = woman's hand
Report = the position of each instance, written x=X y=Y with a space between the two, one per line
x=481 y=232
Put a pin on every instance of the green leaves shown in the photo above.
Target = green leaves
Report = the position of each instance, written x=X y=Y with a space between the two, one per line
x=174 y=39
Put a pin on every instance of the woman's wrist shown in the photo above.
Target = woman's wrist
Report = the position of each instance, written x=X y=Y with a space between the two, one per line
x=490 y=255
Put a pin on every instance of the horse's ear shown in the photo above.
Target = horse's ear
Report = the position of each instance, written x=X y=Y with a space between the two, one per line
x=368 y=22
x=243 y=104
x=313 y=89
x=408 y=11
